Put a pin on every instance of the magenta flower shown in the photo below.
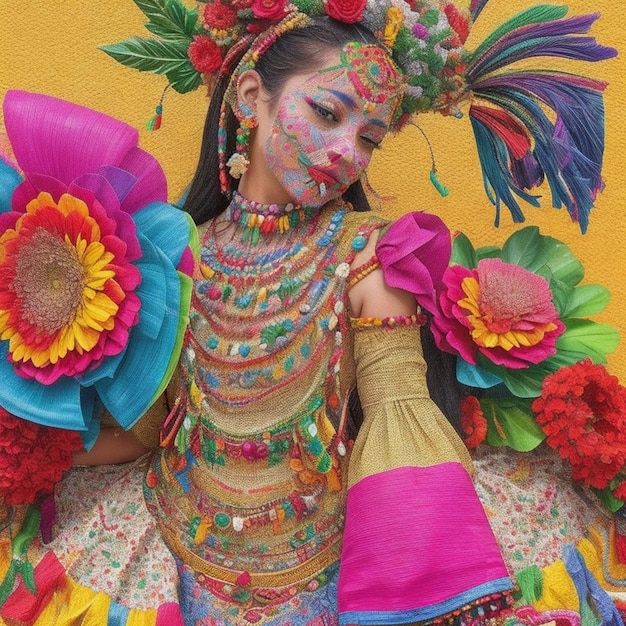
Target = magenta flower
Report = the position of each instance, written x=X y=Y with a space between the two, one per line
x=94 y=268
x=499 y=310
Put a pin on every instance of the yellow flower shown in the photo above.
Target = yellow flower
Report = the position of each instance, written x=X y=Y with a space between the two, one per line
x=393 y=22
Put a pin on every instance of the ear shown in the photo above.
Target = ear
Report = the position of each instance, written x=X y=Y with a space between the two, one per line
x=249 y=87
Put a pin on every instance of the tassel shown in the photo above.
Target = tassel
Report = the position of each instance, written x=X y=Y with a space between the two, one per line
x=538 y=124
x=442 y=189
x=154 y=123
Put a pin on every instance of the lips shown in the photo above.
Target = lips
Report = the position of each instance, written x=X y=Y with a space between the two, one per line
x=321 y=177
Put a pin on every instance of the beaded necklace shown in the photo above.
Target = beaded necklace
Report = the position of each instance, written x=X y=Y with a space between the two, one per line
x=260 y=395
x=256 y=219
x=264 y=302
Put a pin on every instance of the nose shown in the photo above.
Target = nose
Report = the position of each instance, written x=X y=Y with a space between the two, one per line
x=341 y=150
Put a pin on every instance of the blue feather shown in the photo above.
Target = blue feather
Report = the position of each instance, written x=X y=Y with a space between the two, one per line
x=563 y=114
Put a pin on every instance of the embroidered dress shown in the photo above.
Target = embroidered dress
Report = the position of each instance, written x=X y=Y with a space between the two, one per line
x=249 y=486
x=233 y=484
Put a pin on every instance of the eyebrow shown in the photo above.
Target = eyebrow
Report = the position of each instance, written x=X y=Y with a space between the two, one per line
x=348 y=101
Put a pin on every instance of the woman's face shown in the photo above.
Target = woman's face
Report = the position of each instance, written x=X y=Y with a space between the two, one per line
x=319 y=137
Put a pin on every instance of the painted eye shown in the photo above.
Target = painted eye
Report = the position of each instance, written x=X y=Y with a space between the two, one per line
x=371 y=142
x=326 y=114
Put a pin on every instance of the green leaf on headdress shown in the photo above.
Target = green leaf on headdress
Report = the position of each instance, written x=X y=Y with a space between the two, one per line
x=510 y=422
x=169 y=19
x=161 y=57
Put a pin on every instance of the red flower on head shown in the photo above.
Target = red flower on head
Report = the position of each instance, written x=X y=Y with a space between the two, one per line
x=205 y=54
x=34 y=458
x=347 y=11
x=459 y=22
x=218 y=15
x=582 y=410
x=269 y=9
x=473 y=422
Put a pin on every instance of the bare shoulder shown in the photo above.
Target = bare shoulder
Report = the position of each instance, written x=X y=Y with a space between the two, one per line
x=371 y=296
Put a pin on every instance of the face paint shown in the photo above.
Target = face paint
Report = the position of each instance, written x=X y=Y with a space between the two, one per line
x=326 y=128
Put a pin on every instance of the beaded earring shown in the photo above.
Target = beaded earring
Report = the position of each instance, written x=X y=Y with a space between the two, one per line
x=248 y=61
x=238 y=163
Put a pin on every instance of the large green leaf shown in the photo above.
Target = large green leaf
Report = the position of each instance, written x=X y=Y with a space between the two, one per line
x=590 y=338
x=169 y=19
x=488 y=252
x=161 y=57
x=544 y=255
x=148 y=55
x=463 y=252
x=526 y=382
x=510 y=422
x=586 y=300
x=561 y=294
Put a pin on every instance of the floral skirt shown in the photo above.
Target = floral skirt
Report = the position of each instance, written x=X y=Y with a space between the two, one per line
x=106 y=541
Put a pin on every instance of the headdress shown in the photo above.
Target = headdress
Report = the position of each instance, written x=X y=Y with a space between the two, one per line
x=530 y=125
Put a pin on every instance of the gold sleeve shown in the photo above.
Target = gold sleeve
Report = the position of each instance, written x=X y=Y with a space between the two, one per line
x=402 y=426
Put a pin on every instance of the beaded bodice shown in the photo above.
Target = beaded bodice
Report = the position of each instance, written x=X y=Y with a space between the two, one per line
x=249 y=489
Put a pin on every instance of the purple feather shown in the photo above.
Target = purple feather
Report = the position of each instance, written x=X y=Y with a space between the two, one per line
x=552 y=38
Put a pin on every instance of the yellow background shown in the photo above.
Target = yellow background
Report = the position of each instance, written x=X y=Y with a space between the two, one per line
x=51 y=47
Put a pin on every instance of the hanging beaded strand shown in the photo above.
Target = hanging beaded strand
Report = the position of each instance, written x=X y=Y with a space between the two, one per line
x=248 y=62
x=239 y=162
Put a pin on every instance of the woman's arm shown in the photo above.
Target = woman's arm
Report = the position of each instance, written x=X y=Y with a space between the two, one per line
x=372 y=297
x=113 y=445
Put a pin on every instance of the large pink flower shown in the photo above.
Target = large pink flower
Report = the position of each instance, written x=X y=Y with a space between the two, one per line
x=67 y=295
x=499 y=310
x=94 y=268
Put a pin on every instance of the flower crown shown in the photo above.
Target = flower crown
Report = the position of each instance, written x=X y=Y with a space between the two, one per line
x=531 y=125
x=425 y=42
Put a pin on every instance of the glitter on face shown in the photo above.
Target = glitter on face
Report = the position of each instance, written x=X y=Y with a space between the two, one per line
x=326 y=129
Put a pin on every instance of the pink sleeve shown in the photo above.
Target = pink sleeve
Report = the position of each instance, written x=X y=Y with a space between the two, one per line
x=414 y=253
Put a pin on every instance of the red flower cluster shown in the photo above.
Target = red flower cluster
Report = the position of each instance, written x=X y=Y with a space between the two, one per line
x=273 y=10
x=204 y=54
x=473 y=422
x=33 y=458
x=219 y=15
x=582 y=410
x=347 y=11
x=459 y=22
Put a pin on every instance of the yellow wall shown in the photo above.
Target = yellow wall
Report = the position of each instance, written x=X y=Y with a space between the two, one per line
x=51 y=47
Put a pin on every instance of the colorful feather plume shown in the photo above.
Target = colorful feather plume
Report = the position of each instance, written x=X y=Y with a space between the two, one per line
x=536 y=125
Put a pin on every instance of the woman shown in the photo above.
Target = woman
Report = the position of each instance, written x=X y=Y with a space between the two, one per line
x=295 y=306
x=249 y=485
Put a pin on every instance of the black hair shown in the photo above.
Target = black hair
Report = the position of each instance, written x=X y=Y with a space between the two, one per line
x=296 y=52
